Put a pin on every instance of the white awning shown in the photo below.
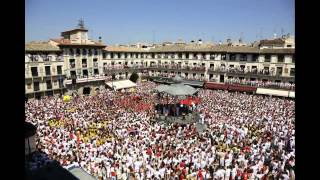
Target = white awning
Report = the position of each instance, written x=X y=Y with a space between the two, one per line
x=275 y=92
x=122 y=84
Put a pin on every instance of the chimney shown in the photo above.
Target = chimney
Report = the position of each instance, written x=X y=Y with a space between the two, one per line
x=199 y=41
x=100 y=39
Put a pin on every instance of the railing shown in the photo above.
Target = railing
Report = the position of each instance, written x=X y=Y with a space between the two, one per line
x=36 y=88
x=261 y=84
x=35 y=75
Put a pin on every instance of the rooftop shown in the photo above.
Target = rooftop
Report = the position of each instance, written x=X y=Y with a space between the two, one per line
x=41 y=46
x=278 y=41
x=65 y=42
x=200 y=48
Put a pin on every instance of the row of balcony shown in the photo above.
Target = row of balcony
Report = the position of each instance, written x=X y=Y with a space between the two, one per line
x=36 y=75
x=84 y=55
x=38 y=58
x=230 y=71
x=84 y=65
x=159 y=67
x=48 y=87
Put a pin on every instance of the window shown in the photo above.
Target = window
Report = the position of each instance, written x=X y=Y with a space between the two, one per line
x=85 y=73
x=104 y=55
x=95 y=71
x=212 y=57
x=153 y=55
x=292 y=71
x=36 y=86
x=45 y=57
x=232 y=57
x=95 y=62
x=73 y=74
x=125 y=55
x=280 y=58
x=203 y=56
x=180 y=55
x=223 y=56
x=78 y=52
x=267 y=58
x=111 y=55
x=84 y=63
x=29 y=86
x=49 y=85
x=293 y=58
x=72 y=63
x=243 y=57
x=71 y=52
x=187 y=55
x=279 y=71
x=34 y=71
x=47 y=70
x=255 y=58
x=89 y=52
x=84 y=52
x=95 y=52
x=289 y=45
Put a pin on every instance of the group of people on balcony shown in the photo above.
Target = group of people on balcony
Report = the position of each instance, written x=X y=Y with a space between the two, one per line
x=264 y=84
x=247 y=137
x=43 y=57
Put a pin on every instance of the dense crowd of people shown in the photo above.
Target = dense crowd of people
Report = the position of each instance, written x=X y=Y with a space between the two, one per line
x=112 y=135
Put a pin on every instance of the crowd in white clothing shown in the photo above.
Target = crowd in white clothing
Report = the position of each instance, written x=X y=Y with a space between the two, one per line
x=262 y=84
x=247 y=136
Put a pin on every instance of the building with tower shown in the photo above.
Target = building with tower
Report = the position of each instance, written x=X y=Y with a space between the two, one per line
x=76 y=64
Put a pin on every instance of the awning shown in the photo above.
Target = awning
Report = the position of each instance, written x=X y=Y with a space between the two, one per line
x=122 y=84
x=275 y=92
x=193 y=83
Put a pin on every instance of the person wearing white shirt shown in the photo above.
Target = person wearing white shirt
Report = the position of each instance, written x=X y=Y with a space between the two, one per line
x=227 y=173
x=219 y=174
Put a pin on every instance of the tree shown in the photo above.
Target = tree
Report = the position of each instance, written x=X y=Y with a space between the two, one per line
x=134 y=77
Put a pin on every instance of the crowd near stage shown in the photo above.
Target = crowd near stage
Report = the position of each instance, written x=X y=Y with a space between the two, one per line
x=167 y=132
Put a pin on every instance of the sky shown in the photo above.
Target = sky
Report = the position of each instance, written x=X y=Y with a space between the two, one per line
x=132 y=21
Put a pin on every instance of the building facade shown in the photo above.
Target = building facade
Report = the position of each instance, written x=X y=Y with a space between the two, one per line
x=75 y=63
